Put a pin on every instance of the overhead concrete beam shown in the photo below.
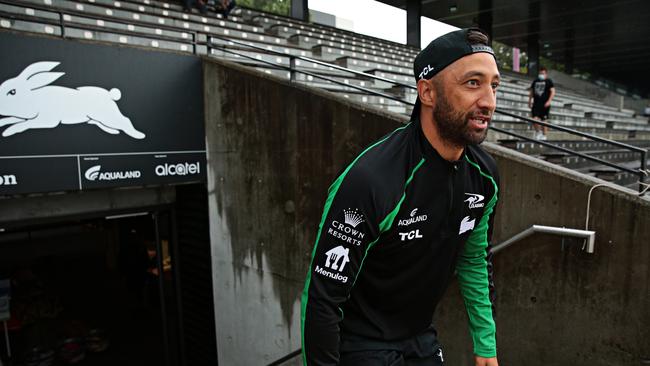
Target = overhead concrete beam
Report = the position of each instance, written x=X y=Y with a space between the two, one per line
x=413 y=24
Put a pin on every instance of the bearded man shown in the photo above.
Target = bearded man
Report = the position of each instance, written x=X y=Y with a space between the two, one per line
x=408 y=212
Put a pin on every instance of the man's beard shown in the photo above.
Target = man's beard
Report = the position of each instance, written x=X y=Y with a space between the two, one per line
x=453 y=125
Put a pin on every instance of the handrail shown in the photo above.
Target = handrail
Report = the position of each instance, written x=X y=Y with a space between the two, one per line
x=643 y=153
x=574 y=132
x=83 y=14
x=319 y=62
x=569 y=151
x=589 y=235
x=286 y=358
x=221 y=47
x=61 y=22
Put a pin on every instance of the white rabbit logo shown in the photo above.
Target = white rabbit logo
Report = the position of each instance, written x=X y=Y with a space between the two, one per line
x=28 y=101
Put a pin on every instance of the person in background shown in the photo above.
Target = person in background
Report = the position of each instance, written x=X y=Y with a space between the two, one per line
x=200 y=4
x=541 y=93
x=226 y=7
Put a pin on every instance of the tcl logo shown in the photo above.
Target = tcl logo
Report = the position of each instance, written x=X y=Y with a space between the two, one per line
x=164 y=170
x=414 y=234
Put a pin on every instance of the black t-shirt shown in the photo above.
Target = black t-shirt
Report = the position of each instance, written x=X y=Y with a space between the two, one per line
x=541 y=90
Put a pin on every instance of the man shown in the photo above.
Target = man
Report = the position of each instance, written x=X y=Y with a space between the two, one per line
x=541 y=93
x=407 y=213
x=226 y=7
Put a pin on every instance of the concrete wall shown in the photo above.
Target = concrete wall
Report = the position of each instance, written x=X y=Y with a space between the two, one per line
x=556 y=304
x=274 y=148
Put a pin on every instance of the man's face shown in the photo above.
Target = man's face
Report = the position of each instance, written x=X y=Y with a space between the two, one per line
x=466 y=99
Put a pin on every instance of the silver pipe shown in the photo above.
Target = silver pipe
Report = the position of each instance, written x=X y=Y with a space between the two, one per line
x=588 y=235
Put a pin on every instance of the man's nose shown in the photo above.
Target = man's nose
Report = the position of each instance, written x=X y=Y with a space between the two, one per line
x=488 y=99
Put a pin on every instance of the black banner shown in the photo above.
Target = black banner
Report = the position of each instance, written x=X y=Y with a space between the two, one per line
x=69 y=106
x=127 y=170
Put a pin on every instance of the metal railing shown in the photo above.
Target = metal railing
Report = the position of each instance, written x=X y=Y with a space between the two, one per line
x=286 y=358
x=588 y=235
x=62 y=23
x=641 y=173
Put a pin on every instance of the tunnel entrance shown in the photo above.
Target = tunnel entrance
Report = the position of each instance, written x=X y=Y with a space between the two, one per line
x=104 y=288
x=93 y=290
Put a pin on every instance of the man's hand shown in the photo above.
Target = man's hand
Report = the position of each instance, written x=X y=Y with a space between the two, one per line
x=547 y=104
x=530 y=104
x=482 y=361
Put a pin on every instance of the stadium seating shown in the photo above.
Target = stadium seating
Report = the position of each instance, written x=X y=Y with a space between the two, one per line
x=278 y=40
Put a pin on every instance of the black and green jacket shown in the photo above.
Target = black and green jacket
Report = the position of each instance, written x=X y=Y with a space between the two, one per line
x=397 y=223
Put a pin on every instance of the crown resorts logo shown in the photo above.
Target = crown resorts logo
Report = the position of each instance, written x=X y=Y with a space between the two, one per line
x=353 y=217
x=347 y=231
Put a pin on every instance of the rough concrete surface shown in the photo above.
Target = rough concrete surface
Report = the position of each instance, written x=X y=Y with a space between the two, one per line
x=273 y=150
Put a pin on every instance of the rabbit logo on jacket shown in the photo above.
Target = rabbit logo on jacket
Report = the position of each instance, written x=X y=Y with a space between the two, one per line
x=28 y=101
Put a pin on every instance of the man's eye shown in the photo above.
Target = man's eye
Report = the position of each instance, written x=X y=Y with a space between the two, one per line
x=495 y=85
x=472 y=82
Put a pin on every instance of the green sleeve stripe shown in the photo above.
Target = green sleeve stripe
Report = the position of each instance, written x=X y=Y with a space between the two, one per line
x=333 y=189
x=387 y=222
x=473 y=277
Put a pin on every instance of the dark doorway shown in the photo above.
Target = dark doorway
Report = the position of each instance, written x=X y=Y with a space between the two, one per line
x=91 y=292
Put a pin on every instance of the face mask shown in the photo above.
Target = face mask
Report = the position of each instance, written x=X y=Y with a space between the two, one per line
x=541 y=76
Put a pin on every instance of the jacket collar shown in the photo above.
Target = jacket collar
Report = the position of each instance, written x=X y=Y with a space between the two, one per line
x=427 y=150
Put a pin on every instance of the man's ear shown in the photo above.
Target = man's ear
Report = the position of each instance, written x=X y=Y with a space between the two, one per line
x=426 y=92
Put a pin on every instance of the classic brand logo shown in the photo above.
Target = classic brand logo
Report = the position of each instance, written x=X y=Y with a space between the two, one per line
x=413 y=218
x=466 y=225
x=28 y=101
x=94 y=173
x=8 y=180
x=425 y=71
x=336 y=260
x=353 y=217
x=414 y=234
x=475 y=200
x=164 y=170
x=347 y=231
